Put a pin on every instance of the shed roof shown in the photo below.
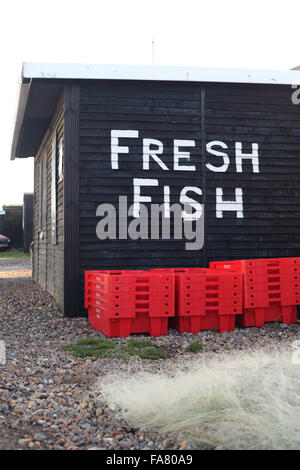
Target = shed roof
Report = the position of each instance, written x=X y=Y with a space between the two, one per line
x=42 y=83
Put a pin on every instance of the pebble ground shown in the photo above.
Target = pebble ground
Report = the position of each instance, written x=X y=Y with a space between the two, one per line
x=47 y=396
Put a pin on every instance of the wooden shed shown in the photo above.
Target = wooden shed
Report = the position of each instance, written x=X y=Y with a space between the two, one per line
x=11 y=224
x=27 y=221
x=227 y=140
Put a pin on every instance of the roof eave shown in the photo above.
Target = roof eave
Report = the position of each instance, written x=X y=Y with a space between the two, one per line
x=158 y=73
x=21 y=108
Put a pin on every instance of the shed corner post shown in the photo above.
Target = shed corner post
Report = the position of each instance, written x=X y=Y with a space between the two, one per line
x=71 y=201
x=204 y=179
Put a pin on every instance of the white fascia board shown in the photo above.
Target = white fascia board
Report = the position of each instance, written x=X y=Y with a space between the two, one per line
x=165 y=73
x=24 y=89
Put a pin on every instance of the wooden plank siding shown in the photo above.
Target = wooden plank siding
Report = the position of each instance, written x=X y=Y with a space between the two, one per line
x=163 y=111
x=230 y=113
x=271 y=223
x=71 y=201
x=48 y=259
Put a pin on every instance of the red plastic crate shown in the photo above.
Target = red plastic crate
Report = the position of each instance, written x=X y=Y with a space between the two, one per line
x=199 y=288
x=260 y=316
x=146 y=299
x=271 y=288
x=123 y=327
x=111 y=327
x=203 y=297
x=111 y=282
x=139 y=290
x=194 y=324
x=155 y=326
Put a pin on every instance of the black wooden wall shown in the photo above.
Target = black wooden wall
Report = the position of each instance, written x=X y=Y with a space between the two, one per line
x=48 y=258
x=271 y=223
x=163 y=112
x=261 y=114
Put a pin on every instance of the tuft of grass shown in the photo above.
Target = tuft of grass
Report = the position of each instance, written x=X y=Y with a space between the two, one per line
x=104 y=348
x=19 y=253
x=237 y=401
x=90 y=347
x=136 y=343
x=98 y=343
x=152 y=353
x=194 y=347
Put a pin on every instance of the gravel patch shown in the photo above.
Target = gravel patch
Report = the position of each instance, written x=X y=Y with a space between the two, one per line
x=15 y=268
x=13 y=264
x=48 y=398
x=20 y=274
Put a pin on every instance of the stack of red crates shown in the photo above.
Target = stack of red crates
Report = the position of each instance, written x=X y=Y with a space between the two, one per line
x=256 y=291
x=271 y=288
x=205 y=299
x=124 y=302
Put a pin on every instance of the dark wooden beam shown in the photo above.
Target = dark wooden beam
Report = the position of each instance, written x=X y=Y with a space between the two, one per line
x=204 y=180
x=71 y=201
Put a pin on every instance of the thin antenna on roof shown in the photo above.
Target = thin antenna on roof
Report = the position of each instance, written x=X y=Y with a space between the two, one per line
x=153 y=44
